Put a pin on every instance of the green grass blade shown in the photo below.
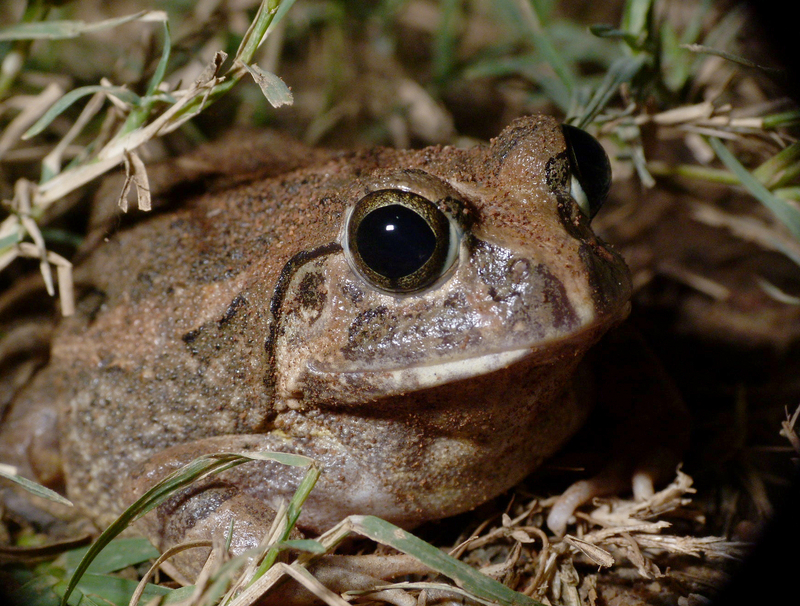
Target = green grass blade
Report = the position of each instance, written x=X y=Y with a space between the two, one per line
x=622 y=70
x=265 y=18
x=307 y=545
x=140 y=113
x=780 y=168
x=785 y=212
x=445 y=42
x=195 y=470
x=788 y=193
x=161 y=68
x=71 y=97
x=542 y=42
x=603 y=30
x=466 y=576
x=60 y=30
x=707 y=50
x=270 y=12
x=636 y=19
x=283 y=8
x=292 y=514
x=8 y=472
x=783 y=119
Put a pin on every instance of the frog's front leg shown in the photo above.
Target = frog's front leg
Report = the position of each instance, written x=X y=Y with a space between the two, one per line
x=248 y=495
x=209 y=508
x=649 y=425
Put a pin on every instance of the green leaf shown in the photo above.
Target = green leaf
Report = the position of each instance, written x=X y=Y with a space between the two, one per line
x=785 y=212
x=71 y=97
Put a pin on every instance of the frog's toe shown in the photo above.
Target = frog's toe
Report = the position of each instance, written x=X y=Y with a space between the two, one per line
x=642 y=484
x=567 y=503
x=213 y=512
x=609 y=481
x=618 y=477
x=654 y=469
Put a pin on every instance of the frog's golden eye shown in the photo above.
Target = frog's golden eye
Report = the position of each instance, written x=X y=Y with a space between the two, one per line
x=591 y=170
x=399 y=241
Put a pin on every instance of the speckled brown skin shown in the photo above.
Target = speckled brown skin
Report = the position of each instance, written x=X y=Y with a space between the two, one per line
x=236 y=322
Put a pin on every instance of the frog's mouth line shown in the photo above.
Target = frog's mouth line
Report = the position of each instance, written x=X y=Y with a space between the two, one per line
x=456 y=370
x=401 y=380
x=398 y=380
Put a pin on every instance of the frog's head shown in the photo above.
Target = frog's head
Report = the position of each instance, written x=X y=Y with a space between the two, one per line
x=453 y=265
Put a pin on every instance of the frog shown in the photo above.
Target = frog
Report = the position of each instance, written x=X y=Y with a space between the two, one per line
x=415 y=321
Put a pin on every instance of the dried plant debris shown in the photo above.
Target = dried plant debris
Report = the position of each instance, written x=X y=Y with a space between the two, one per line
x=136 y=119
x=616 y=534
x=507 y=560
x=789 y=430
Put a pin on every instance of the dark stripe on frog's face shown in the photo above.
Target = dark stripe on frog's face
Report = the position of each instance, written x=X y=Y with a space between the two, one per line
x=608 y=275
x=279 y=295
x=575 y=223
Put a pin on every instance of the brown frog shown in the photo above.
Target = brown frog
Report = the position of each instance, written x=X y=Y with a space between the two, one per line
x=413 y=320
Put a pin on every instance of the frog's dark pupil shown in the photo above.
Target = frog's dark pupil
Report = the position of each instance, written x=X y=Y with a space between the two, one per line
x=394 y=241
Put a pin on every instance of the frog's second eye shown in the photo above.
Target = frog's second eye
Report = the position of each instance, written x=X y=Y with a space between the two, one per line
x=591 y=170
x=399 y=241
